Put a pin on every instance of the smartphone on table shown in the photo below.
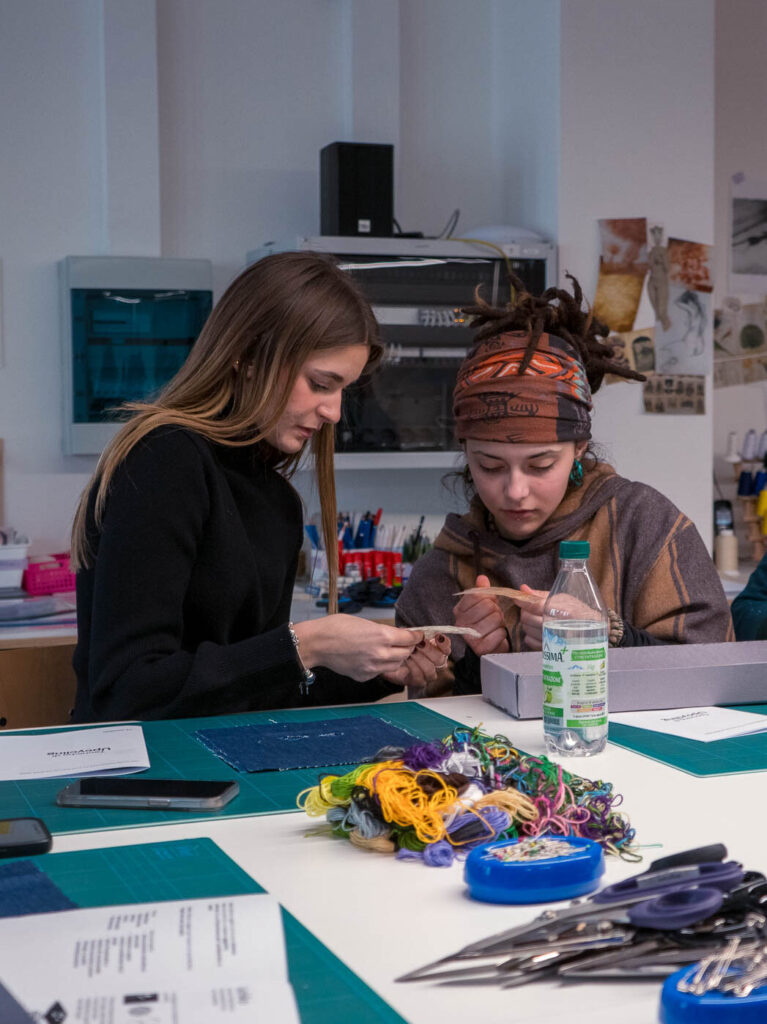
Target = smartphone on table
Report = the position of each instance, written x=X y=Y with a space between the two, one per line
x=148 y=794
x=23 y=837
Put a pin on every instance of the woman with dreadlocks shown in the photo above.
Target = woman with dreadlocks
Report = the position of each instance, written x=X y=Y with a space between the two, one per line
x=522 y=406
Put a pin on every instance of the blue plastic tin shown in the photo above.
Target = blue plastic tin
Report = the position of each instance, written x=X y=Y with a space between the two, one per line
x=712 y=1007
x=539 y=869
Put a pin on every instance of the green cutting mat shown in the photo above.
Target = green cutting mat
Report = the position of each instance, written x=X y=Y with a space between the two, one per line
x=326 y=990
x=174 y=753
x=720 y=757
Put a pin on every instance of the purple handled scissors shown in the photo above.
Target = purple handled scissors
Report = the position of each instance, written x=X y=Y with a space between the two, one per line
x=663 y=900
x=661 y=890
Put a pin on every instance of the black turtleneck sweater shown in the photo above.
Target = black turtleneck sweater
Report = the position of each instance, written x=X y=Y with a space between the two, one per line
x=184 y=611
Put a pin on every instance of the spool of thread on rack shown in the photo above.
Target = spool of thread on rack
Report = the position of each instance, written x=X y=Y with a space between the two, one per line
x=726 y=551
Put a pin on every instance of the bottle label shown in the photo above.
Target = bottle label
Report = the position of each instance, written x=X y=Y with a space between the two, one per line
x=574 y=681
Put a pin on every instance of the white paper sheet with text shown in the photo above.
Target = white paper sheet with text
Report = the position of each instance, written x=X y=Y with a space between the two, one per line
x=191 y=961
x=51 y=755
x=702 y=724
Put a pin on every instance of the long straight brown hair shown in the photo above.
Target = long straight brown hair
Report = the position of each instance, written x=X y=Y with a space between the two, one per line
x=237 y=379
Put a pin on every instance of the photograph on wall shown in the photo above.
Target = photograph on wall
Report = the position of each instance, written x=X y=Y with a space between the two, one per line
x=690 y=264
x=622 y=268
x=740 y=328
x=686 y=346
x=740 y=337
x=728 y=373
x=748 y=235
x=754 y=369
x=667 y=394
x=657 y=277
x=635 y=349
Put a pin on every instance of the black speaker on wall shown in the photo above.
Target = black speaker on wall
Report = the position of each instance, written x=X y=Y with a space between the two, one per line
x=357 y=189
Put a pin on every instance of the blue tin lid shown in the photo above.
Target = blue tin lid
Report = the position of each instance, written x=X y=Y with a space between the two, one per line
x=539 y=869
x=715 y=1007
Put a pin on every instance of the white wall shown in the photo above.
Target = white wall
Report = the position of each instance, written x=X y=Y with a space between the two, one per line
x=740 y=145
x=526 y=112
x=447 y=133
x=249 y=94
x=52 y=202
x=218 y=153
x=637 y=138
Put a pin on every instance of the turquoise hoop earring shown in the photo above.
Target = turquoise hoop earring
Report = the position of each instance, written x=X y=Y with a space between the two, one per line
x=576 y=473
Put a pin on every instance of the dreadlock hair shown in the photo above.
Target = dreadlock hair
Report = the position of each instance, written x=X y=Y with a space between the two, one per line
x=554 y=312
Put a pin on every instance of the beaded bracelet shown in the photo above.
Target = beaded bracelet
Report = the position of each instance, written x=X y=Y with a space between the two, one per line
x=309 y=676
x=616 y=629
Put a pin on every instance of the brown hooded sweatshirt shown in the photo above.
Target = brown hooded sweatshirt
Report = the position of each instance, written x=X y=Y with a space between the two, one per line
x=647 y=558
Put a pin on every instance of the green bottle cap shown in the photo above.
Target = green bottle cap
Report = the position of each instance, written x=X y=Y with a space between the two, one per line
x=574 y=549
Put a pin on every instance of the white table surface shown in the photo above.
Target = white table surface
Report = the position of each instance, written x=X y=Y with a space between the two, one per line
x=384 y=917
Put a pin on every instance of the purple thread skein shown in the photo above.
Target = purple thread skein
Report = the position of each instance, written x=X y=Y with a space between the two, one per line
x=439 y=854
x=422 y=756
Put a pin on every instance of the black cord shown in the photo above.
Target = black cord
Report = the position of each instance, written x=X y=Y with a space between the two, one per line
x=450 y=227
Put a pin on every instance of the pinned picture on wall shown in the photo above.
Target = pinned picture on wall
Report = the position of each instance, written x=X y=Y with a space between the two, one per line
x=635 y=349
x=748 y=235
x=673 y=394
x=740 y=337
x=728 y=373
x=690 y=264
x=658 y=276
x=622 y=268
x=686 y=346
x=755 y=369
x=740 y=328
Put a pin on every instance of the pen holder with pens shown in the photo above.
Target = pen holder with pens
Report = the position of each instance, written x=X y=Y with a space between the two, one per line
x=749 y=466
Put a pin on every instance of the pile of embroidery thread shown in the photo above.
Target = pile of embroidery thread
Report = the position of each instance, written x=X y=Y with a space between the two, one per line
x=436 y=801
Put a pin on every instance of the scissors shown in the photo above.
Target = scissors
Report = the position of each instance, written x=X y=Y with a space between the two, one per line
x=668 y=899
x=740 y=916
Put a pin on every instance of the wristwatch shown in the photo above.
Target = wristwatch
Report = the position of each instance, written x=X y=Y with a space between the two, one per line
x=616 y=628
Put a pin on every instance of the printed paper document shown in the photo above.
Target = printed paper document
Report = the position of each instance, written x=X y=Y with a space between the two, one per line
x=102 y=751
x=192 y=961
x=702 y=724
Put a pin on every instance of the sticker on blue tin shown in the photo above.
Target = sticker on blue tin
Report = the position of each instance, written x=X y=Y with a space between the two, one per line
x=536 y=869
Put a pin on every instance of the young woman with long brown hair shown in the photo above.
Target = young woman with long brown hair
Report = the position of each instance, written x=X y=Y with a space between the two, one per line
x=186 y=540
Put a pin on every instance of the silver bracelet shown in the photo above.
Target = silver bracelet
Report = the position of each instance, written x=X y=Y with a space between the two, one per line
x=309 y=676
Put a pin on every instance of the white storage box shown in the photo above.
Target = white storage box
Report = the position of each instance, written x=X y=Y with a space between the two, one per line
x=641 y=678
x=13 y=562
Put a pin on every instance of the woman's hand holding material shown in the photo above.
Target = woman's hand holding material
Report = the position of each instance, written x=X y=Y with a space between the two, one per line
x=531 y=618
x=531 y=615
x=429 y=657
x=354 y=647
x=483 y=613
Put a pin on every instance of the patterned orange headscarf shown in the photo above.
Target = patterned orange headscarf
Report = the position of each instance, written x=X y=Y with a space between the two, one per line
x=550 y=401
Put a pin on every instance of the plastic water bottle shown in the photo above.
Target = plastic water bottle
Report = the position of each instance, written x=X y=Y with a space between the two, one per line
x=575 y=642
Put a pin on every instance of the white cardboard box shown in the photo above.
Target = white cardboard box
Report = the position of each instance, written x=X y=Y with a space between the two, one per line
x=641 y=678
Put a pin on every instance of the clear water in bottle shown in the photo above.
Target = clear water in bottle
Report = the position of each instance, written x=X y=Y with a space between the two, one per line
x=575 y=643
